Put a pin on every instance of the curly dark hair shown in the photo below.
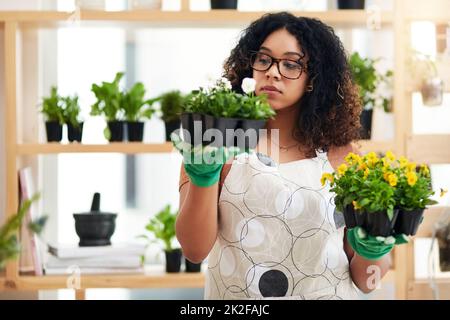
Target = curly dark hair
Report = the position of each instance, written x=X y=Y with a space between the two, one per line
x=329 y=115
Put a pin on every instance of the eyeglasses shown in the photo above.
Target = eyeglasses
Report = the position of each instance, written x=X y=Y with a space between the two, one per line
x=289 y=69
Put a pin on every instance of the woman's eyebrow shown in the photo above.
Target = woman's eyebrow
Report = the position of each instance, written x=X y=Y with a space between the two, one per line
x=289 y=53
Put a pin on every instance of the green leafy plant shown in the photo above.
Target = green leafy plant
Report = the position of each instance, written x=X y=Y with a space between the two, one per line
x=109 y=98
x=9 y=244
x=375 y=88
x=52 y=107
x=171 y=105
x=133 y=103
x=222 y=101
x=71 y=111
x=162 y=225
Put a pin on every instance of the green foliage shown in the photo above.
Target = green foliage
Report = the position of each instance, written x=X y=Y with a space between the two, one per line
x=369 y=81
x=133 y=103
x=162 y=225
x=51 y=106
x=9 y=245
x=109 y=98
x=71 y=111
x=171 y=105
x=221 y=101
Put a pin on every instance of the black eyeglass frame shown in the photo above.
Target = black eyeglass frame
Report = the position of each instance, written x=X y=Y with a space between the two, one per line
x=277 y=61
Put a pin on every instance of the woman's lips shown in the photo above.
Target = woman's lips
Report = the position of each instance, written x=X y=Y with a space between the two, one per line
x=270 y=91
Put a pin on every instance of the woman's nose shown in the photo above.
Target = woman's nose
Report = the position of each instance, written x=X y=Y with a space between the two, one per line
x=273 y=72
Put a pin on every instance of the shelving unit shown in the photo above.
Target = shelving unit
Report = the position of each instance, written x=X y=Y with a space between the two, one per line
x=430 y=148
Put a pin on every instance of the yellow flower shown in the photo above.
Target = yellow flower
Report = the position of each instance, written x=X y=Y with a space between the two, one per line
x=390 y=156
x=362 y=166
x=412 y=178
x=350 y=158
x=342 y=169
x=424 y=170
x=403 y=162
x=393 y=180
x=411 y=167
x=443 y=192
x=385 y=163
x=356 y=205
x=386 y=175
x=325 y=177
x=366 y=172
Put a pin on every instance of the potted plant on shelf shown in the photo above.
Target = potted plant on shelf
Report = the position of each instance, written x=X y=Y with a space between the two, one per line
x=109 y=99
x=228 y=112
x=133 y=106
x=171 y=108
x=53 y=112
x=71 y=114
x=162 y=225
x=374 y=89
x=351 y=4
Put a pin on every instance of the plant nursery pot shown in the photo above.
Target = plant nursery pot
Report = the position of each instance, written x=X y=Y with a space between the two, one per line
x=408 y=221
x=116 y=129
x=171 y=126
x=135 y=130
x=432 y=91
x=95 y=228
x=192 y=267
x=378 y=223
x=54 y=131
x=351 y=4
x=223 y=4
x=226 y=126
x=366 y=124
x=255 y=125
x=75 y=133
x=173 y=260
x=361 y=218
x=349 y=217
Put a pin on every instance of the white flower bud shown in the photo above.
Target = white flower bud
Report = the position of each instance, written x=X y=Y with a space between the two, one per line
x=248 y=85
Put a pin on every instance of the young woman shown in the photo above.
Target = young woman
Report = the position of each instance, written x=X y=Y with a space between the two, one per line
x=268 y=226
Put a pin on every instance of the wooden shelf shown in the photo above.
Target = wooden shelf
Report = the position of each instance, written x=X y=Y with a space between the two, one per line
x=421 y=290
x=175 y=18
x=376 y=146
x=429 y=148
x=115 y=147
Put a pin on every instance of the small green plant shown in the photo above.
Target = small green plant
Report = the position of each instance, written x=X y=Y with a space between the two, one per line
x=222 y=101
x=71 y=111
x=51 y=106
x=171 y=105
x=9 y=245
x=133 y=102
x=371 y=83
x=109 y=98
x=162 y=225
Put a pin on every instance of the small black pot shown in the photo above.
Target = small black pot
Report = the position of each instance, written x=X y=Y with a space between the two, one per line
x=171 y=126
x=173 y=260
x=192 y=267
x=75 y=133
x=378 y=223
x=408 y=221
x=223 y=4
x=349 y=217
x=361 y=219
x=256 y=125
x=351 y=4
x=116 y=130
x=135 y=130
x=54 y=131
x=366 y=124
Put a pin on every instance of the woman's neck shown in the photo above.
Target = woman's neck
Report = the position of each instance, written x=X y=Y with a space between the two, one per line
x=285 y=121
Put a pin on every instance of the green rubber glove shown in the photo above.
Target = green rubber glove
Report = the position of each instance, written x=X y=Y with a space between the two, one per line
x=203 y=164
x=372 y=248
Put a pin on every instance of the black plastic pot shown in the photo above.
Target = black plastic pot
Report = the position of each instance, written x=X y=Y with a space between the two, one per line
x=366 y=124
x=54 y=131
x=408 y=221
x=95 y=228
x=75 y=133
x=223 y=4
x=361 y=219
x=191 y=266
x=135 y=131
x=173 y=260
x=349 y=217
x=351 y=4
x=378 y=223
x=171 y=126
x=226 y=126
x=116 y=130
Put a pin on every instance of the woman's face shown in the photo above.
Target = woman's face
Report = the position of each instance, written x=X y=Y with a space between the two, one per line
x=281 y=91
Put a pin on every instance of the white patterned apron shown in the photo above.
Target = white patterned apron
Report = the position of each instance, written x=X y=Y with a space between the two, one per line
x=279 y=237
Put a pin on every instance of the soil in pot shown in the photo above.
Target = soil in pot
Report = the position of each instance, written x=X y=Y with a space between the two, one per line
x=366 y=124
x=408 y=221
x=75 y=133
x=116 y=130
x=351 y=4
x=191 y=266
x=171 y=126
x=378 y=223
x=223 y=4
x=135 y=131
x=54 y=131
x=173 y=260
